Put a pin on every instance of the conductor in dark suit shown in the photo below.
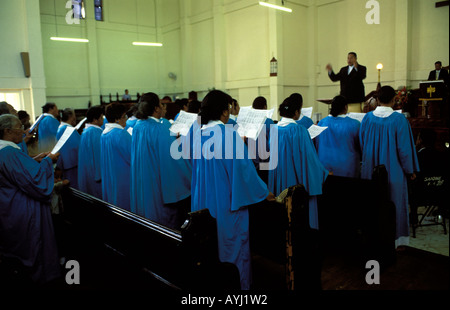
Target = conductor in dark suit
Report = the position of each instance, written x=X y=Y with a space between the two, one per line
x=351 y=78
x=439 y=73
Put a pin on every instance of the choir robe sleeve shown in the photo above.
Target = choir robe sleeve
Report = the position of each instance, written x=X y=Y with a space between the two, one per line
x=47 y=130
x=406 y=148
x=175 y=174
x=33 y=178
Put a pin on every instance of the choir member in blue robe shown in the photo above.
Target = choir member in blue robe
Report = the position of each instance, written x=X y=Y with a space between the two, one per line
x=160 y=183
x=48 y=127
x=68 y=159
x=132 y=119
x=296 y=161
x=26 y=186
x=338 y=146
x=6 y=108
x=116 y=158
x=225 y=183
x=89 y=154
x=302 y=119
x=386 y=139
x=261 y=145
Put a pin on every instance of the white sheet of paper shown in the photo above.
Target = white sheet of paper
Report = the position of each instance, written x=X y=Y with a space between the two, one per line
x=358 y=116
x=251 y=122
x=315 y=130
x=130 y=131
x=183 y=123
x=307 y=111
x=78 y=126
x=67 y=133
x=36 y=123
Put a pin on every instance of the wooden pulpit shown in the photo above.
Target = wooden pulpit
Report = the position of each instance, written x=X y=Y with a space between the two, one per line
x=431 y=99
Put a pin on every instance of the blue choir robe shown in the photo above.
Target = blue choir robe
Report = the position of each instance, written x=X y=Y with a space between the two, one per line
x=131 y=122
x=115 y=165
x=166 y=122
x=47 y=129
x=305 y=121
x=338 y=146
x=386 y=139
x=89 y=167
x=226 y=185
x=261 y=147
x=26 y=227
x=23 y=146
x=68 y=158
x=157 y=178
x=232 y=120
x=296 y=163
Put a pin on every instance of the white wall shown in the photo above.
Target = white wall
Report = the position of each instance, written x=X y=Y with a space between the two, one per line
x=227 y=44
x=21 y=32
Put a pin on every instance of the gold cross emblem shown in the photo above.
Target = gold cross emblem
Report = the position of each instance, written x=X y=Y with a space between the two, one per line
x=431 y=90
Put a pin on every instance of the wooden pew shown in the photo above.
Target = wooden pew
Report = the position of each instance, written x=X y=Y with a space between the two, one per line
x=186 y=259
x=357 y=219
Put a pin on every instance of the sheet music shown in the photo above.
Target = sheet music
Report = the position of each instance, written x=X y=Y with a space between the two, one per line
x=358 y=116
x=66 y=135
x=130 y=131
x=78 y=126
x=315 y=130
x=307 y=111
x=36 y=123
x=251 y=122
x=183 y=123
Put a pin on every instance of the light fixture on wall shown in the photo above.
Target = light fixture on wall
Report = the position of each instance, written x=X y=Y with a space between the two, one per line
x=379 y=67
x=140 y=43
x=57 y=38
x=274 y=6
x=273 y=67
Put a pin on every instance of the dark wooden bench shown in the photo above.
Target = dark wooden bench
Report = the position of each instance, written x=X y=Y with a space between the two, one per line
x=156 y=255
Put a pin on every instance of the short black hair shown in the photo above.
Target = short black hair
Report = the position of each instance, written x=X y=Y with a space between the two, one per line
x=298 y=98
x=438 y=62
x=353 y=53
x=385 y=94
x=66 y=114
x=46 y=107
x=147 y=105
x=94 y=112
x=213 y=105
x=338 y=105
x=22 y=114
x=260 y=103
x=288 y=107
x=194 y=106
x=114 y=111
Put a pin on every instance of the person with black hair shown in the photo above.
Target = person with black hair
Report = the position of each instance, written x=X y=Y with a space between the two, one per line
x=386 y=139
x=296 y=161
x=131 y=114
x=160 y=182
x=194 y=106
x=115 y=147
x=302 y=119
x=439 y=73
x=234 y=111
x=351 y=79
x=338 y=146
x=226 y=183
x=68 y=160
x=89 y=153
x=48 y=127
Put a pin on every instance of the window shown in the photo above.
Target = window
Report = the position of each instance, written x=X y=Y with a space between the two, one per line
x=13 y=97
x=78 y=9
x=98 y=9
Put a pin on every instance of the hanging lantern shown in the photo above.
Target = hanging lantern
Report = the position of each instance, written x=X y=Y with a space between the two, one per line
x=273 y=67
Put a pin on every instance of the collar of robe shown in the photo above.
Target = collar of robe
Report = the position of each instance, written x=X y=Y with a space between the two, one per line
x=4 y=143
x=51 y=115
x=286 y=121
x=92 y=125
x=111 y=126
x=233 y=117
x=212 y=124
x=64 y=124
x=155 y=119
x=383 y=112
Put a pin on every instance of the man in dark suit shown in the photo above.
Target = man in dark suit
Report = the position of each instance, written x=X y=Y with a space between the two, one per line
x=351 y=78
x=439 y=73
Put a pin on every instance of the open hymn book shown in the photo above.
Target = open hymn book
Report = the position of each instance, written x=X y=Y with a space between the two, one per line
x=251 y=121
x=64 y=138
x=183 y=123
